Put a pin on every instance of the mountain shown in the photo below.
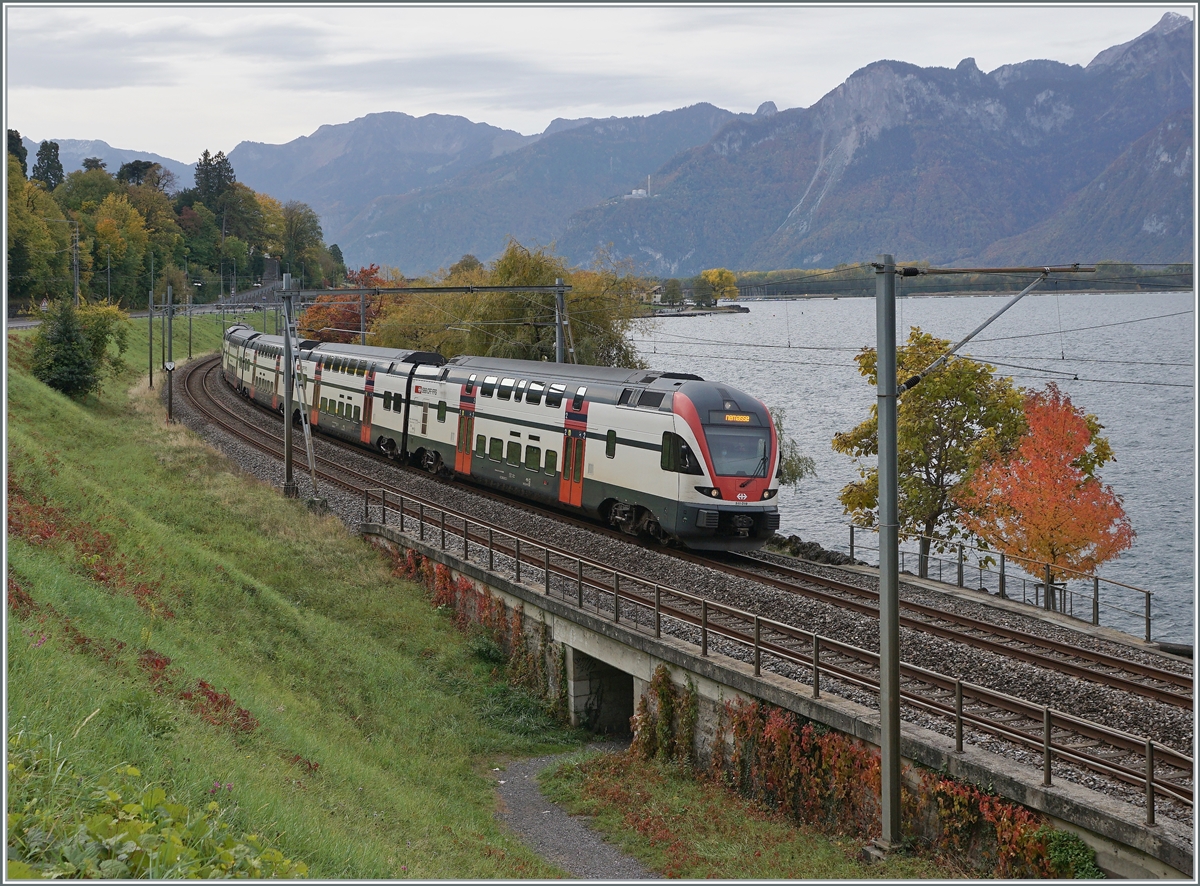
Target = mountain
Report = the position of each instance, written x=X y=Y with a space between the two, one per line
x=340 y=168
x=925 y=163
x=527 y=194
x=1138 y=210
x=72 y=152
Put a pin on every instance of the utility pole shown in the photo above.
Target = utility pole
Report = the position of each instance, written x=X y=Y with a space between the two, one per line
x=889 y=586
x=560 y=310
x=289 y=482
x=169 y=366
x=150 y=317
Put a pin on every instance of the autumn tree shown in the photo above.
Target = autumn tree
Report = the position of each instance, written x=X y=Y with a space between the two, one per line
x=722 y=281
x=793 y=466
x=1044 y=501
x=48 y=168
x=672 y=292
x=39 y=244
x=955 y=419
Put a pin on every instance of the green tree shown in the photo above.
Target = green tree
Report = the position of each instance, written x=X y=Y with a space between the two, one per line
x=39 y=243
x=793 y=467
x=302 y=240
x=723 y=283
x=214 y=176
x=90 y=163
x=672 y=292
x=134 y=172
x=62 y=356
x=16 y=147
x=85 y=190
x=702 y=292
x=48 y=168
x=118 y=245
x=954 y=420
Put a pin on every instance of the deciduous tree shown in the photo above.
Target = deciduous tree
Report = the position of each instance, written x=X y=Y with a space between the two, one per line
x=90 y=163
x=722 y=281
x=672 y=292
x=793 y=466
x=16 y=147
x=954 y=420
x=1044 y=501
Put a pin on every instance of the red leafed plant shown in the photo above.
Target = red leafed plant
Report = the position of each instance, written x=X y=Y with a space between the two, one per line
x=1043 y=501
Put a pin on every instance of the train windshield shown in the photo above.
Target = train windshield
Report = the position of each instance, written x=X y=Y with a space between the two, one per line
x=739 y=452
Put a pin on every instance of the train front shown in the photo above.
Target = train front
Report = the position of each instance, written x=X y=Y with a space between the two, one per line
x=727 y=454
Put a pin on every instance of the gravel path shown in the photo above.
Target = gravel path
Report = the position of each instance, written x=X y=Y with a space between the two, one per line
x=554 y=835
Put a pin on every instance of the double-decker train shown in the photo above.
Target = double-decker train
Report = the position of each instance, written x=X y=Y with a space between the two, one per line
x=663 y=454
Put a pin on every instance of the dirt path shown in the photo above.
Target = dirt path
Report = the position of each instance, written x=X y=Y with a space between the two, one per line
x=554 y=835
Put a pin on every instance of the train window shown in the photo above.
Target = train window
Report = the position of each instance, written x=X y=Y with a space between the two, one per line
x=650 y=399
x=678 y=456
x=339 y=407
x=624 y=399
x=554 y=396
x=441 y=410
x=470 y=386
x=551 y=461
x=533 y=457
x=357 y=413
x=535 y=393
x=480 y=445
x=504 y=392
x=514 y=452
x=324 y=404
x=577 y=403
x=496 y=449
x=489 y=385
x=578 y=472
x=610 y=444
x=520 y=390
x=387 y=400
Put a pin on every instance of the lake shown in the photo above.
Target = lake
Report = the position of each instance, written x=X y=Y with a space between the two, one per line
x=1129 y=358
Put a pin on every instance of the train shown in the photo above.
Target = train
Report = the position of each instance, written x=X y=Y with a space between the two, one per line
x=661 y=454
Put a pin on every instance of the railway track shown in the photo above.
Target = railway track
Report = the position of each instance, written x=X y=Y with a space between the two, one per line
x=975 y=709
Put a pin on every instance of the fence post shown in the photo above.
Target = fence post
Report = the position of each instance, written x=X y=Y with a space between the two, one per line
x=517 y=559
x=958 y=724
x=1147 y=616
x=466 y=538
x=657 y=611
x=1149 y=783
x=546 y=566
x=366 y=505
x=443 y=522
x=421 y=519
x=1048 y=590
x=704 y=627
x=383 y=507
x=1095 y=599
x=491 y=551
x=757 y=647
x=579 y=580
x=960 y=564
x=851 y=541
x=616 y=596
x=1046 y=746
x=816 y=666
x=1003 y=592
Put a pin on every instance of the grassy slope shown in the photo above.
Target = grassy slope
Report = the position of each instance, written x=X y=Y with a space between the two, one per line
x=299 y=621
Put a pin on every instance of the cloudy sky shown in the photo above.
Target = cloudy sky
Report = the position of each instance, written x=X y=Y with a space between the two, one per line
x=175 y=80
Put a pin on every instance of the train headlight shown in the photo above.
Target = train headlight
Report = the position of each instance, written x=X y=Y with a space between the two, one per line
x=711 y=491
x=769 y=493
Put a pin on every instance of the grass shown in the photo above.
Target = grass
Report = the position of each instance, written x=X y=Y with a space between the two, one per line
x=369 y=722
x=684 y=827
x=376 y=723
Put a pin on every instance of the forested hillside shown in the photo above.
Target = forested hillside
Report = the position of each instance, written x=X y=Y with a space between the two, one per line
x=121 y=231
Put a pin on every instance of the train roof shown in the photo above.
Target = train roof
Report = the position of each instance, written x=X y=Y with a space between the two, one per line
x=575 y=371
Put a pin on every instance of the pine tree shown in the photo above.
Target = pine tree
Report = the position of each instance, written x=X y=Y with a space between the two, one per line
x=62 y=356
x=48 y=167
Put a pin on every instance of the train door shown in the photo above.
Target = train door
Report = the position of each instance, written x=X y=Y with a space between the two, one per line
x=424 y=418
x=368 y=402
x=570 y=490
x=314 y=406
x=466 y=428
x=277 y=385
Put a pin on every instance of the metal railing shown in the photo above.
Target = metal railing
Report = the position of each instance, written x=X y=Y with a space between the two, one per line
x=653 y=608
x=1078 y=596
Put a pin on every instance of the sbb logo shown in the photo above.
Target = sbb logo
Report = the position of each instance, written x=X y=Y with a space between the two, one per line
x=741 y=496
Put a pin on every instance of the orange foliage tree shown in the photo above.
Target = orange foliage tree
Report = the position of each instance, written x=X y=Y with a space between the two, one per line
x=336 y=317
x=1043 y=501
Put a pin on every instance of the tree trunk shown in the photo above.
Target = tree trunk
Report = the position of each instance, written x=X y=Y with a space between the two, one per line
x=924 y=567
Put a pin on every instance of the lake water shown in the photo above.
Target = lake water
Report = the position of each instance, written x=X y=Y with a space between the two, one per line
x=1129 y=358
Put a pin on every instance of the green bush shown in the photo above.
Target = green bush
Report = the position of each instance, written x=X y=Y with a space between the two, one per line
x=65 y=823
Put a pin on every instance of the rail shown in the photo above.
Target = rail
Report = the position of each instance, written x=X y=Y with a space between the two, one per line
x=644 y=606
x=1078 y=597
